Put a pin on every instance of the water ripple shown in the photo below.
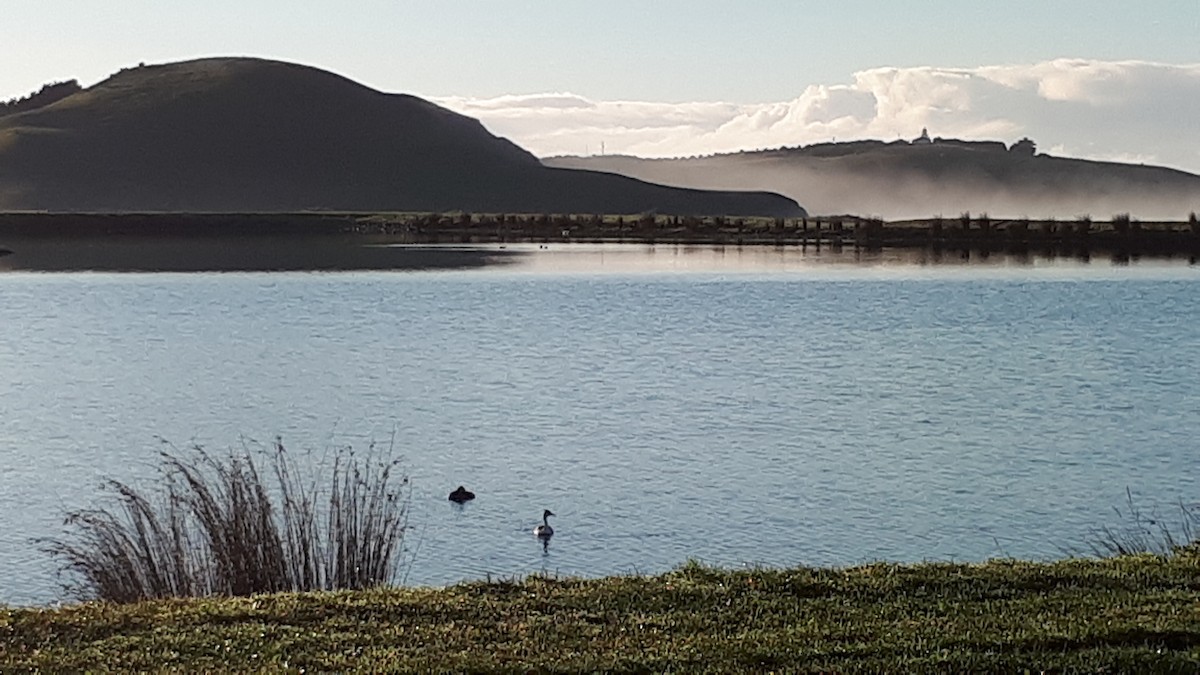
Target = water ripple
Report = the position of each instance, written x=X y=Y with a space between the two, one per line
x=777 y=418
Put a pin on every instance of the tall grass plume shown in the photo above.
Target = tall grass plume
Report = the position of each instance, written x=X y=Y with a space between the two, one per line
x=245 y=522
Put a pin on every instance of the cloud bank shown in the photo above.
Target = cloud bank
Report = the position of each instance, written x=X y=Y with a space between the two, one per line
x=1131 y=111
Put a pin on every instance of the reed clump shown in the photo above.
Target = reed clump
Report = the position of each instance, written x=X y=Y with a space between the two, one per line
x=1083 y=225
x=1140 y=531
x=242 y=523
x=985 y=224
x=1121 y=223
x=936 y=226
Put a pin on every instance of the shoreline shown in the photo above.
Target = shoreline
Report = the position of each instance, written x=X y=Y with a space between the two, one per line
x=1133 y=613
x=1057 y=237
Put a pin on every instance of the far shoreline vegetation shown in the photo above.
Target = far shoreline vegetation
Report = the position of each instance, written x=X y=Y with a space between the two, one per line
x=1121 y=234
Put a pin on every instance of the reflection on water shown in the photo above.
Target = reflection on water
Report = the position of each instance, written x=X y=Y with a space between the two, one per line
x=556 y=259
x=307 y=253
x=235 y=254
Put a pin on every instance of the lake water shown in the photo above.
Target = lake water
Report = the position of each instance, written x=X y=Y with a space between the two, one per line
x=738 y=406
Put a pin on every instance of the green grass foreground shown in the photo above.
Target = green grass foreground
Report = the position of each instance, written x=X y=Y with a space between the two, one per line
x=1130 y=614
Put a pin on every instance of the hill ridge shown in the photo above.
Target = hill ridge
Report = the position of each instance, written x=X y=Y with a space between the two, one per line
x=249 y=134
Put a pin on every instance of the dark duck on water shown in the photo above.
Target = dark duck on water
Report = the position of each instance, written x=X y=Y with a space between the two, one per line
x=461 y=495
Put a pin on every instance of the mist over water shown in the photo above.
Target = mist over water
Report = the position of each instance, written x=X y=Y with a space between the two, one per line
x=903 y=197
x=895 y=193
x=753 y=405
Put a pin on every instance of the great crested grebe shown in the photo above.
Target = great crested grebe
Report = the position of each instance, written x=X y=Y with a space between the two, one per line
x=544 y=530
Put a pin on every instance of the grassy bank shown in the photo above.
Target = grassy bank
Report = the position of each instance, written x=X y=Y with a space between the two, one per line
x=1130 y=614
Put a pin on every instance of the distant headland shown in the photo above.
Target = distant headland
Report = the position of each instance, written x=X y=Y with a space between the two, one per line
x=926 y=177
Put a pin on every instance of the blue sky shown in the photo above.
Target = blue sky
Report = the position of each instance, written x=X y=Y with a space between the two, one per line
x=1098 y=79
x=662 y=50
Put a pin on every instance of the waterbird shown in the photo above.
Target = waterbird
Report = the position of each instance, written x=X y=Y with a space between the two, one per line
x=461 y=494
x=544 y=530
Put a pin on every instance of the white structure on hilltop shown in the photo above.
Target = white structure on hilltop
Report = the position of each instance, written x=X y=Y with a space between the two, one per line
x=1025 y=146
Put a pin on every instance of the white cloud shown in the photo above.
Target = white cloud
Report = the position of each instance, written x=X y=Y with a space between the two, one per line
x=1084 y=108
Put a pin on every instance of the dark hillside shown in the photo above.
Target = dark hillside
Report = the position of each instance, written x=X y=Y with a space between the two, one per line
x=255 y=135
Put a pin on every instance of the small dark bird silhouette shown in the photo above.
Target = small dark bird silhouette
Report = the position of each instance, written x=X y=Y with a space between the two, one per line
x=461 y=494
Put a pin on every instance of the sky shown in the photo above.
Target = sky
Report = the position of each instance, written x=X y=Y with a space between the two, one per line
x=1103 y=79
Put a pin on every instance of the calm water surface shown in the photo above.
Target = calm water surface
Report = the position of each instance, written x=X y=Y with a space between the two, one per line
x=754 y=406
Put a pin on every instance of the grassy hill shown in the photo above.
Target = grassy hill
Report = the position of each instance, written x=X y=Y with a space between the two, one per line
x=900 y=181
x=256 y=135
x=1122 y=615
